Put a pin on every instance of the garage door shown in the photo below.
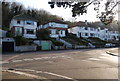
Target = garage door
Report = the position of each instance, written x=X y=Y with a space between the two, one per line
x=8 y=47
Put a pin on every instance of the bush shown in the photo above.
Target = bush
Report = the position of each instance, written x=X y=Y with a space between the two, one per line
x=43 y=34
x=57 y=43
x=97 y=41
x=71 y=38
x=9 y=34
x=21 y=40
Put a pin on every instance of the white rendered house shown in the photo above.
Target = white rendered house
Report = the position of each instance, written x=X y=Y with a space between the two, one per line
x=87 y=30
x=23 y=25
x=57 y=28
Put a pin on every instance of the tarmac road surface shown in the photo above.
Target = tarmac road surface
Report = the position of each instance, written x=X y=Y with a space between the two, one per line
x=65 y=64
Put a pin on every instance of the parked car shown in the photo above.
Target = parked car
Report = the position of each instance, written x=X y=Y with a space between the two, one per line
x=109 y=45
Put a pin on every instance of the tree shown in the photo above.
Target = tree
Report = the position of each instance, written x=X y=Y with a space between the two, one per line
x=9 y=10
x=43 y=34
x=79 y=8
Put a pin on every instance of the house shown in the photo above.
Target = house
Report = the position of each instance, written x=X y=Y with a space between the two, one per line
x=86 y=30
x=57 y=28
x=23 y=25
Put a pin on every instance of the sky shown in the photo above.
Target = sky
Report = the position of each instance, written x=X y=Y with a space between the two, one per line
x=64 y=13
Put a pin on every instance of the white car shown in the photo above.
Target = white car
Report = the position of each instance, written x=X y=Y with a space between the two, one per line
x=109 y=45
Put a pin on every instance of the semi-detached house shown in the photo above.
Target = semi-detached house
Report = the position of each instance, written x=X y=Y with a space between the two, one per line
x=86 y=30
x=24 y=25
x=57 y=28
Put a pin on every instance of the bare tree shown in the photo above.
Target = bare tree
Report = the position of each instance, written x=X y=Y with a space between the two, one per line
x=79 y=8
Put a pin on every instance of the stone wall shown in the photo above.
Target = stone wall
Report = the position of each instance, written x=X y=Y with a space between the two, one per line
x=25 y=48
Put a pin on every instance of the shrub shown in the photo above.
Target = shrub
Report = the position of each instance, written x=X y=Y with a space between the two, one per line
x=57 y=43
x=9 y=34
x=21 y=40
x=97 y=41
x=43 y=34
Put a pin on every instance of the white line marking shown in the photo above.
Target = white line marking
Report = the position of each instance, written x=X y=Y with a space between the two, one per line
x=27 y=59
x=16 y=60
x=59 y=75
x=41 y=58
x=37 y=58
x=54 y=74
x=103 y=57
x=26 y=74
x=3 y=62
x=93 y=59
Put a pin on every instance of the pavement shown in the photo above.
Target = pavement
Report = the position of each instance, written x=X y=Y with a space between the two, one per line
x=65 y=64
x=114 y=51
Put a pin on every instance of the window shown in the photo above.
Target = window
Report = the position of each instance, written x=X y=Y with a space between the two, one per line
x=18 y=22
x=106 y=31
x=86 y=28
x=91 y=34
x=54 y=31
x=91 y=29
x=98 y=30
x=30 y=22
x=29 y=31
x=86 y=34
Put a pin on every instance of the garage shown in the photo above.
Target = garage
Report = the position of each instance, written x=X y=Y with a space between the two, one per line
x=8 y=45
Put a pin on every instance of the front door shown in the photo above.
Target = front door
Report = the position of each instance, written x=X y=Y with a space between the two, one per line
x=18 y=31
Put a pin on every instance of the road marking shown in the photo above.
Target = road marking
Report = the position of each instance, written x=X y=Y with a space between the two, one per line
x=59 y=76
x=28 y=59
x=103 y=57
x=25 y=74
x=16 y=60
x=49 y=73
x=12 y=57
x=41 y=58
x=37 y=58
x=93 y=59
x=4 y=62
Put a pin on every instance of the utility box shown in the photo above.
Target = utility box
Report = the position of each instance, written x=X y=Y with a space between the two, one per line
x=46 y=45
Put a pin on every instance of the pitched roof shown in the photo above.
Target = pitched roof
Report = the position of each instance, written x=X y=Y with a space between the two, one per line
x=56 y=21
x=80 y=23
x=24 y=17
x=93 y=25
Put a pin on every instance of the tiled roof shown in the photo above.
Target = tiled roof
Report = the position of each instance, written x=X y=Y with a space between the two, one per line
x=24 y=17
x=83 y=24
x=56 y=21
x=93 y=25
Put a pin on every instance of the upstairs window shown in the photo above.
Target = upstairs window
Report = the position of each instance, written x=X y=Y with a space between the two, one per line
x=18 y=22
x=29 y=22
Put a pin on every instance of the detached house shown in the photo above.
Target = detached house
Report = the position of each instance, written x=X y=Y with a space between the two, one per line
x=86 y=30
x=23 y=25
x=57 y=28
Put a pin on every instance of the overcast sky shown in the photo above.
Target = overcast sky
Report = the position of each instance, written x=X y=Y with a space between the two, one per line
x=64 y=13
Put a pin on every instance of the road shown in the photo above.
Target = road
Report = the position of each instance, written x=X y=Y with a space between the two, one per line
x=65 y=64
